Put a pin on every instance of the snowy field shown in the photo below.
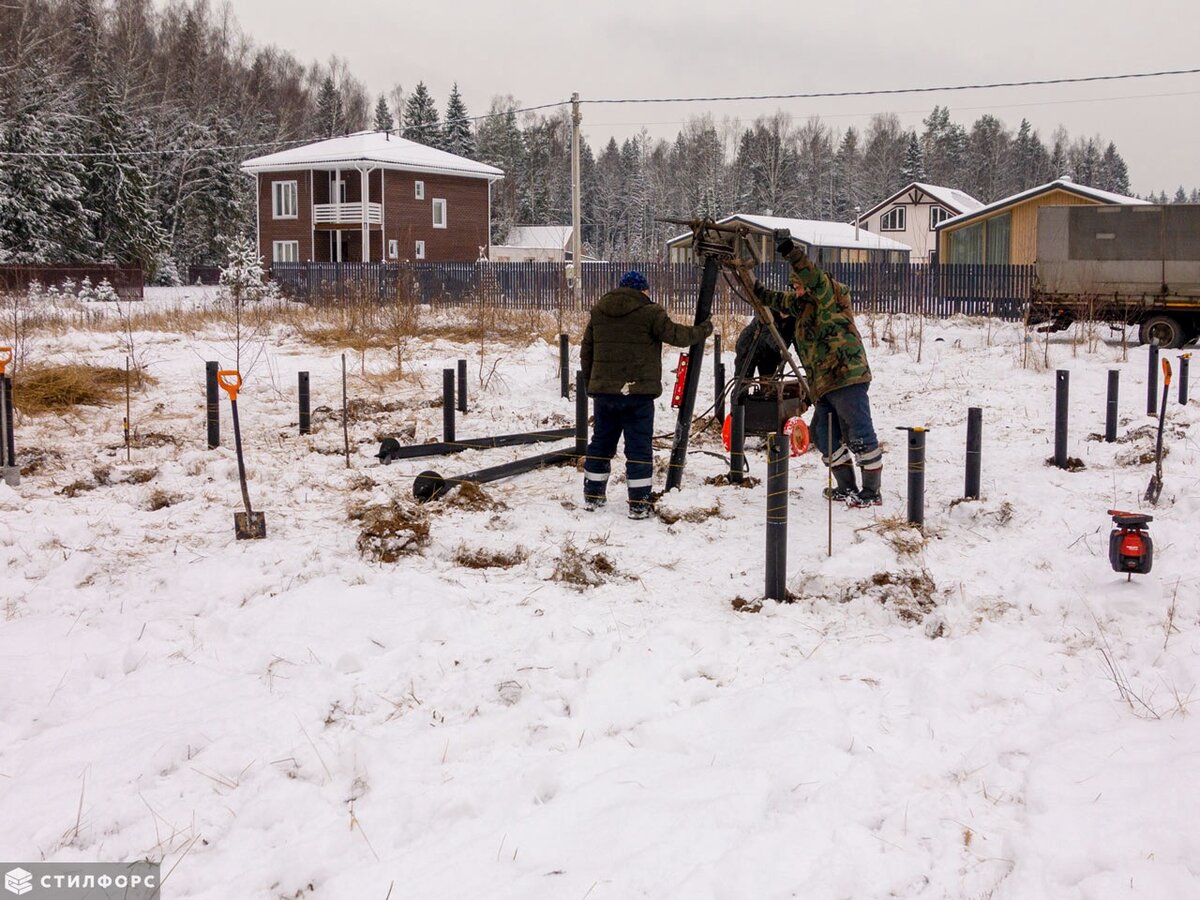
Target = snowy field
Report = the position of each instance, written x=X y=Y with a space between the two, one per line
x=984 y=710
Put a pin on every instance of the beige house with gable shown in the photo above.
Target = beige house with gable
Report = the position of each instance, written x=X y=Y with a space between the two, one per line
x=913 y=213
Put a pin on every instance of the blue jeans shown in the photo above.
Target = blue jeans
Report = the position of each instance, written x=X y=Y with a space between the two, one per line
x=853 y=432
x=617 y=414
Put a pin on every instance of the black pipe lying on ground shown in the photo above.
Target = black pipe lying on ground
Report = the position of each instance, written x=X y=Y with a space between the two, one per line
x=391 y=450
x=429 y=485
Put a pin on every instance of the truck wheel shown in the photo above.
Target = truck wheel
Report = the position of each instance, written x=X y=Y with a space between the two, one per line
x=1162 y=330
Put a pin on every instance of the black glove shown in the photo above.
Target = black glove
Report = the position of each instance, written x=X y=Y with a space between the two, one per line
x=707 y=326
x=783 y=241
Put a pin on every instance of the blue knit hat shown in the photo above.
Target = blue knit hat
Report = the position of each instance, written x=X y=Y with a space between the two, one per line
x=635 y=280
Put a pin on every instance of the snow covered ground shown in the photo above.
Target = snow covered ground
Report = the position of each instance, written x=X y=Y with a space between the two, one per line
x=938 y=715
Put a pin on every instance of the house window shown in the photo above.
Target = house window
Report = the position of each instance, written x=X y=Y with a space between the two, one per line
x=393 y=249
x=285 y=199
x=938 y=215
x=999 y=243
x=965 y=245
x=285 y=251
x=892 y=220
x=420 y=193
x=419 y=252
x=439 y=213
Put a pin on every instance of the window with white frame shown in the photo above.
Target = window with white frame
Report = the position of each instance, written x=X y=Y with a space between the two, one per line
x=285 y=251
x=285 y=199
x=419 y=250
x=439 y=213
x=892 y=220
x=938 y=215
x=393 y=249
x=420 y=190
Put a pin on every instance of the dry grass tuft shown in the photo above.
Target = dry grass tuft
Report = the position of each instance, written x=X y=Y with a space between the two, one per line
x=903 y=537
x=472 y=497
x=481 y=558
x=722 y=480
x=582 y=569
x=75 y=488
x=909 y=594
x=742 y=605
x=58 y=389
x=160 y=499
x=694 y=515
x=1074 y=464
x=389 y=531
x=37 y=458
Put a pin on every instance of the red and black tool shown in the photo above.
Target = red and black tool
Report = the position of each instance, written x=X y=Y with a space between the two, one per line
x=1130 y=548
x=248 y=525
x=680 y=381
x=1154 y=488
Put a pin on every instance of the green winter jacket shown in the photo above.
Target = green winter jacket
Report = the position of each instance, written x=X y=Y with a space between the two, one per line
x=827 y=340
x=621 y=351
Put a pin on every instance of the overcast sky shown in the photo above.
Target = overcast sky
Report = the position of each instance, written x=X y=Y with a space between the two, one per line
x=541 y=50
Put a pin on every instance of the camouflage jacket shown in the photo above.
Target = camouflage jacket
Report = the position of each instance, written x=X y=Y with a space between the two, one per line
x=827 y=340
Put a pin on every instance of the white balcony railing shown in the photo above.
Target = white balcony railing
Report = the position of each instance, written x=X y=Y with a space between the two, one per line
x=347 y=214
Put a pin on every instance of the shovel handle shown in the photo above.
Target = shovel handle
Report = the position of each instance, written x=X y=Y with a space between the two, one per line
x=1166 y=367
x=230 y=381
x=6 y=356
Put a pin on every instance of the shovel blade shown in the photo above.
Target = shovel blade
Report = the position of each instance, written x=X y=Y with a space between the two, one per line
x=250 y=526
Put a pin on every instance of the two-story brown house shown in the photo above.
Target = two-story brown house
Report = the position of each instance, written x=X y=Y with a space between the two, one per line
x=371 y=197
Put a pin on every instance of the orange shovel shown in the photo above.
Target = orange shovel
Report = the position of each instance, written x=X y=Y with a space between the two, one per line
x=248 y=525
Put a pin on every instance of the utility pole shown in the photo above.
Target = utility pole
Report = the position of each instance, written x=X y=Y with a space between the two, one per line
x=576 y=237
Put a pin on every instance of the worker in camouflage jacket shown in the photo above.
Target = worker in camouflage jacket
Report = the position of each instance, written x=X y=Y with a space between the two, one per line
x=832 y=353
x=621 y=357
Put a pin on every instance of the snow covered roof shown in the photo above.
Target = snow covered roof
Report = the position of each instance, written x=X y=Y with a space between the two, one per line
x=538 y=237
x=816 y=233
x=373 y=148
x=952 y=198
x=1060 y=184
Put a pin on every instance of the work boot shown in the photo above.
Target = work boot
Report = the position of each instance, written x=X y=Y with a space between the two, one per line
x=846 y=485
x=869 y=495
x=591 y=504
x=640 y=510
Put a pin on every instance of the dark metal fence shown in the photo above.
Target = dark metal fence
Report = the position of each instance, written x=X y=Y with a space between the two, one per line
x=938 y=291
x=128 y=281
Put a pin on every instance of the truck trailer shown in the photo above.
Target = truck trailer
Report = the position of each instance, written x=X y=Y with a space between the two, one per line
x=1121 y=264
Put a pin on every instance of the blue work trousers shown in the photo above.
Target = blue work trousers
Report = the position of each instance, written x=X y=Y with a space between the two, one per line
x=617 y=415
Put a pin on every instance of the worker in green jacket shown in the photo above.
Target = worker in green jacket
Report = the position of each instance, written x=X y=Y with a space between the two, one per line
x=621 y=357
x=832 y=353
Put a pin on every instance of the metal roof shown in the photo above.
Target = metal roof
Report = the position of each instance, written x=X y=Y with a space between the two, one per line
x=376 y=149
x=1060 y=184
x=816 y=233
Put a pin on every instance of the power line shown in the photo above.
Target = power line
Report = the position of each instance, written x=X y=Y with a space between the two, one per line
x=812 y=95
x=957 y=109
